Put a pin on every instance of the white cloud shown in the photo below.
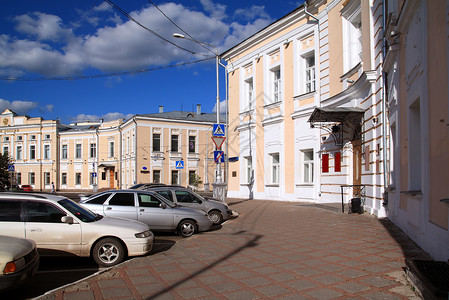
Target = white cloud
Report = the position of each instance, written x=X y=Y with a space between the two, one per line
x=223 y=107
x=120 y=46
x=255 y=12
x=19 y=107
x=94 y=118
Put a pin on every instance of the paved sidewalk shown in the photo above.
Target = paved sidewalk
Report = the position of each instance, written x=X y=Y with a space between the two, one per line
x=282 y=250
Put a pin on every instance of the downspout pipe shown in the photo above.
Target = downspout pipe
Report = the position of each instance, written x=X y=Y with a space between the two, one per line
x=384 y=110
x=135 y=150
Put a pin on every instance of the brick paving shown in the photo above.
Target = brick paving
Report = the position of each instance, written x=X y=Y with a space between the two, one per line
x=281 y=250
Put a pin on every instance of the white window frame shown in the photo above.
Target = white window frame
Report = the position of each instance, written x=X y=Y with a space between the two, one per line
x=32 y=152
x=93 y=150
x=47 y=178
x=276 y=84
x=64 y=179
x=177 y=143
x=352 y=46
x=111 y=149
x=275 y=168
x=309 y=73
x=47 y=153
x=78 y=150
x=19 y=152
x=307 y=166
x=64 y=151
x=78 y=178
x=248 y=102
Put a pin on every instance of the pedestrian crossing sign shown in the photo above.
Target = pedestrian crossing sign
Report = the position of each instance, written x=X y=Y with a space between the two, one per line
x=218 y=130
x=179 y=164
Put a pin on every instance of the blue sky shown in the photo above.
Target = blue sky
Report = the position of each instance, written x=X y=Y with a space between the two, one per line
x=65 y=40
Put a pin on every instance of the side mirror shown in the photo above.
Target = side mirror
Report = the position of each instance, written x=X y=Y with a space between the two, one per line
x=67 y=219
x=163 y=205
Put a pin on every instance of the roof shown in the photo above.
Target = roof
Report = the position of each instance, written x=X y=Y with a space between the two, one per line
x=186 y=116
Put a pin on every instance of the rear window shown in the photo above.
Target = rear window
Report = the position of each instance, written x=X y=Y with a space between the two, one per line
x=166 y=194
x=10 y=211
x=100 y=199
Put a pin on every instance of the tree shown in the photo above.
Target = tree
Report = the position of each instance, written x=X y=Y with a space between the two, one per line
x=5 y=161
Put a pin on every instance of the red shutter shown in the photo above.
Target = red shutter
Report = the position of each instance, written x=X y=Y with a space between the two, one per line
x=337 y=161
x=325 y=163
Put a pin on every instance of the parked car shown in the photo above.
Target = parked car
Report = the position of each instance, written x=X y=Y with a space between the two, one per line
x=27 y=188
x=19 y=261
x=142 y=186
x=217 y=210
x=150 y=208
x=60 y=226
x=15 y=188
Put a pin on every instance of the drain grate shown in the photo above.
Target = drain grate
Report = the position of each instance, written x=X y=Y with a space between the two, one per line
x=433 y=277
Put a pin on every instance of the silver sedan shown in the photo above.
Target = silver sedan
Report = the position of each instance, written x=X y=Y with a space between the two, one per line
x=150 y=208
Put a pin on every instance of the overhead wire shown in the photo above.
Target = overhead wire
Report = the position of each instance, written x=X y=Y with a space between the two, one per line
x=100 y=75
x=185 y=32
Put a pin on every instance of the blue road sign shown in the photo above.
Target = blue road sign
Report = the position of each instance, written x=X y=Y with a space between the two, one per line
x=218 y=130
x=11 y=168
x=94 y=174
x=179 y=164
x=219 y=157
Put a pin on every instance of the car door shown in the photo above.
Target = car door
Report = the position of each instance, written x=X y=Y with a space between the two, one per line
x=187 y=199
x=11 y=222
x=121 y=205
x=43 y=225
x=155 y=213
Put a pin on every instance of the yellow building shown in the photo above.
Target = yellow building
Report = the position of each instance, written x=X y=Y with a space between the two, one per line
x=170 y=147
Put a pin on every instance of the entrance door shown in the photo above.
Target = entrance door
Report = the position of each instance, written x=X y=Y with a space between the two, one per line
x=111 y=178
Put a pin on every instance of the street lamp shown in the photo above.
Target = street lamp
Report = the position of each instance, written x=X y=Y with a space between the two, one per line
x=218 y=187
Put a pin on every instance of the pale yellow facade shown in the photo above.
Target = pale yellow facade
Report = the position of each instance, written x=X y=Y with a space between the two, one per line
x=171 y=148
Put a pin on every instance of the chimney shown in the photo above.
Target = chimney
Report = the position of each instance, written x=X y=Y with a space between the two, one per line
x=198 y=109
x=161 y=109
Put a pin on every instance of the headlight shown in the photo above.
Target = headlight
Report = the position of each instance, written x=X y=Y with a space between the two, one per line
x=144 y=234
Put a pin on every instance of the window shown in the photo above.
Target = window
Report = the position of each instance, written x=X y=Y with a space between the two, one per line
x=19 y=178
x=414 y=149
x=77 y=178
x=122 y=199
x=103 y=175
x=156 y=142
x=166 y=194
x=43 y=212
x=174 y=177
x=46 y=151
x=19 y=138
x=10 y=211
x=93 y=150
x=157 y=176
x=33 y=137
x=325 y=163
x=31 y=178
x=19 y=153
x=32 y=152
x=249 y=95
x=249 y=169
x=307 y=166
x=64 y=178
x=192 y=177
x=186 y=197
x=6 y=139
x=192 y=143
x=47 y=178
x=78 y=151
x=5 y=150
x=148 y=201
x=310 y=73
x=275 y=168
x=276 y=77
x=174 y=143
x=352 y=35
x=100 y=199
x=47 y=136
x=64 y=152
x=111 y=149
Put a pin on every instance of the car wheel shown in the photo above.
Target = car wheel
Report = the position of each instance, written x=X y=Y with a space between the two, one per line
x=108 y=252
x=186 y=228
x=216 y=217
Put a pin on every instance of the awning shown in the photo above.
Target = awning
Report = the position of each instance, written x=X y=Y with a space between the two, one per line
x=106 y=165
x=351 y=115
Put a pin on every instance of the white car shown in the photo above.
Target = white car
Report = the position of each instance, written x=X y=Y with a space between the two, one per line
x=19 y=261
x=60 y=226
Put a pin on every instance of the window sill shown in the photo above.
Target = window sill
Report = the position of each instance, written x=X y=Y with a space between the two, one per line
x=417 y=194
x=272 y=185
x=305 y=184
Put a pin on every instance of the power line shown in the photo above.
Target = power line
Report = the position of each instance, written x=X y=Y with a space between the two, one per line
x=100 y=75
x=146 y=28
x=193 y=39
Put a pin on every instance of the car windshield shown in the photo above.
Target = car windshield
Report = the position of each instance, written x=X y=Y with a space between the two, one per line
x=82 y=213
